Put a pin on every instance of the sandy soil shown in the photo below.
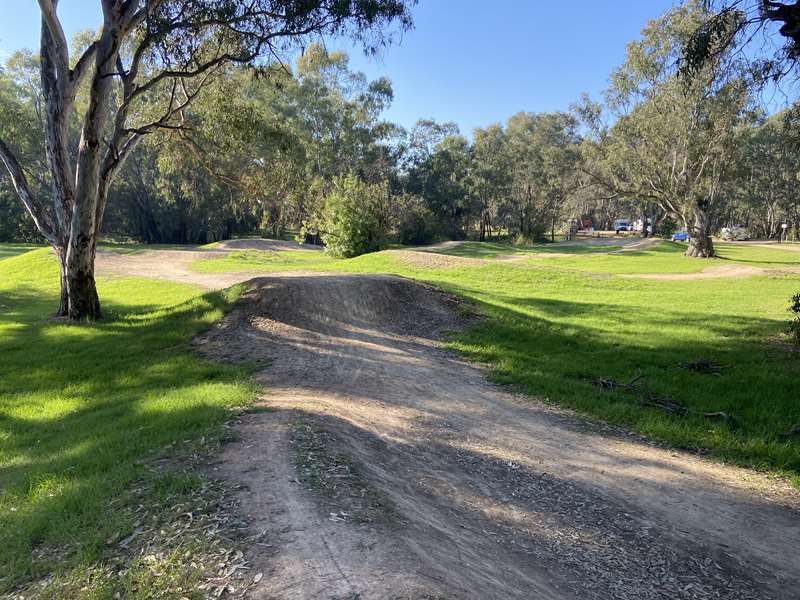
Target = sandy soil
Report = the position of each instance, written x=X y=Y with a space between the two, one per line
x=492 y=495
x=173 y=265
x=433 y=260
x=265 y=245
x=714 y=272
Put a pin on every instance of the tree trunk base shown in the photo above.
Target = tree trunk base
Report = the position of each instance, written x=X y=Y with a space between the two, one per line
x=84 y=303
x=700 y=249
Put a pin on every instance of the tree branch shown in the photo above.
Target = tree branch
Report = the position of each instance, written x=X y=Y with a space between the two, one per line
x=55 y=89
x=37 y=211
x=82 y=67
x=58 y=41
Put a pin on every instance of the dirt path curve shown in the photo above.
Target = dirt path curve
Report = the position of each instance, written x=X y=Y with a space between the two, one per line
x=714 y=272
x=170 y=265
x=488 y=495
x=174 y=265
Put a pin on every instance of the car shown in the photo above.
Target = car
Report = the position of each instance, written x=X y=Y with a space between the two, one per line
x=622 y=225
x=680 y=236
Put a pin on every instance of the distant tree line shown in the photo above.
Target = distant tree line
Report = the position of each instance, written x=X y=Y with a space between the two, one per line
x=304 y=151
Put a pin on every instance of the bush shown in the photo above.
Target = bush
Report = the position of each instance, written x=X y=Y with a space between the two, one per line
x=355 y=218
x=521 y=240
x=794 y=326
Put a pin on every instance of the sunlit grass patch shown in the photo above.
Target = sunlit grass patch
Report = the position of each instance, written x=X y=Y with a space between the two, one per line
x=259 y=260
x=667 y=257
x=9 y=250
x=494 y=250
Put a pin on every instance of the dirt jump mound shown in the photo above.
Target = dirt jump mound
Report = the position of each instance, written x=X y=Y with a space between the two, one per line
x=276 y=309
x=384 y=467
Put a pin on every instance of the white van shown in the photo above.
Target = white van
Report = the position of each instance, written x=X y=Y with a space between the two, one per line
x=622 y=225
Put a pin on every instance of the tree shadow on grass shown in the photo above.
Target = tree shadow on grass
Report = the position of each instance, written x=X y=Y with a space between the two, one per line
x=79 y=418
x=765 y=261
x=82 y=406
x=547 y=356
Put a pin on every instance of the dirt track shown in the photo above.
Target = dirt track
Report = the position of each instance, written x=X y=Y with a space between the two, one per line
x=174 y=265
x=714 y=272
x=489 y=495
x=494 y=496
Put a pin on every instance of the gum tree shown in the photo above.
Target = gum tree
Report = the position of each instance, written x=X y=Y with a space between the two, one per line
x=150 y=60
x=674 y=138
x=544 y=159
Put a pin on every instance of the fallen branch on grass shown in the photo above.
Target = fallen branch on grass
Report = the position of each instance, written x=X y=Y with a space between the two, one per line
x=664 y=404
x=613 y=384
x=673 y=408
x=668 y=405
x=791 y=433
x=703 y=365
x=719 y=415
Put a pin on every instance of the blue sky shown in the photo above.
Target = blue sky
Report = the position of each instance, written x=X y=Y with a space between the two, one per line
x=466 y=61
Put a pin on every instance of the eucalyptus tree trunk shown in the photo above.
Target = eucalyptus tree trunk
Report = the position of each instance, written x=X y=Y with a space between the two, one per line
x=700 y=243
x=79 y=185
x=90 y=189
x=644 y=222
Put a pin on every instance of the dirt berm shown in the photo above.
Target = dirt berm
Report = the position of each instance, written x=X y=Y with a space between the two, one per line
x=382 y=466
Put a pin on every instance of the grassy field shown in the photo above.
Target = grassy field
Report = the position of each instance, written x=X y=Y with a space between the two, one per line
x=84 y=408
x=668 y=257
x=558 y=325
x=493 y=250
x=257 y=260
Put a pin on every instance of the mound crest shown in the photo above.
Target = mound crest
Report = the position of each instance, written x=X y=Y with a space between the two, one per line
x=277 y=310
x=264 y=245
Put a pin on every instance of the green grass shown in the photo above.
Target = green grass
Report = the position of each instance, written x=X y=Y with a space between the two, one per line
x=493 y=250
x=554 y=324
x=9 y=250
x=759 y=256
x=259 y=260
x=667 y=257
x=84 y=408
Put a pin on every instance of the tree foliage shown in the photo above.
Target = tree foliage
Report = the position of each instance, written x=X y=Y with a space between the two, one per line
x=673 y=139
